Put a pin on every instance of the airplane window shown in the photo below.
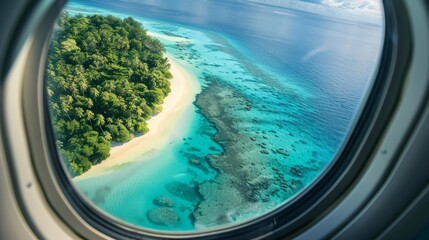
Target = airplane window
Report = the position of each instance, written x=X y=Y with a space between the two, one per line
x=198 y=115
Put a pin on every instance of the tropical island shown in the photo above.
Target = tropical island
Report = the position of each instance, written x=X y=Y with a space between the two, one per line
x=105 y=78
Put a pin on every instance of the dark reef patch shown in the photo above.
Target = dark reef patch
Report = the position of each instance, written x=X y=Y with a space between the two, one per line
x=100 y=195
x=162 y=216
x=183 y=191
x=245 y=177
x=163 y=201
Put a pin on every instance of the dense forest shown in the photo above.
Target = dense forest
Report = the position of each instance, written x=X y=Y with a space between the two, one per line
x=104 y=78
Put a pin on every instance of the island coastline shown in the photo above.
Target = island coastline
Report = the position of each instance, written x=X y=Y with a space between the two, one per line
x=184 y=87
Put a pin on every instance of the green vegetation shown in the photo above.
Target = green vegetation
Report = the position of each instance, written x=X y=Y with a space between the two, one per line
x=105 y=78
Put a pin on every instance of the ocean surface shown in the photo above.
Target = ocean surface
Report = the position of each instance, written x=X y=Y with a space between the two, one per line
x=281 y=90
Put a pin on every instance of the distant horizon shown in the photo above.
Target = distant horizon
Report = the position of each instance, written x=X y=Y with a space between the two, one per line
x=368 y=11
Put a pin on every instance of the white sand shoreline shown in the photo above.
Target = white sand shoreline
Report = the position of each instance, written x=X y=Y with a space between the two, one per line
x=184 y=88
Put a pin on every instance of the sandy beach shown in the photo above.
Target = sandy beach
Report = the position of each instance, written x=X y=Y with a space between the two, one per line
x=184 y=88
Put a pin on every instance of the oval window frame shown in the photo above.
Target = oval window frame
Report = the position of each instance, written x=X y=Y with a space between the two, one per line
x=300 y=212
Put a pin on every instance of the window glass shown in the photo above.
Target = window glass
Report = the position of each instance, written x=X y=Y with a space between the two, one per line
x=191 y=115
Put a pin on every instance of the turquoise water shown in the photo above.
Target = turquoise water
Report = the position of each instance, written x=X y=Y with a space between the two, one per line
x=269 y=119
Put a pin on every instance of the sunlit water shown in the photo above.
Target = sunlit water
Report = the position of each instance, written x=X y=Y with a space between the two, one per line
x=279 y=95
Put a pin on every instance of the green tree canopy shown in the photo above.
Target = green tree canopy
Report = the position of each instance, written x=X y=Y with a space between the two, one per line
x=104 y=77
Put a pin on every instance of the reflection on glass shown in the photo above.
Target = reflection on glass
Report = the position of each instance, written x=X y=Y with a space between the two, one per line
x=189 y=115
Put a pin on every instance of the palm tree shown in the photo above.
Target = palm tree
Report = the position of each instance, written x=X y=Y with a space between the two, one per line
x=50 y=92
x=83 y=85
x=73 y=89
x=62 y=83
x=109 y=120
x=94 y=92
x=89 y=102
x=139 y=112
x=56 y=108
x=66 y=102
x=89 y=116
x=107 y=136
x=99 y=121
x=79 y=112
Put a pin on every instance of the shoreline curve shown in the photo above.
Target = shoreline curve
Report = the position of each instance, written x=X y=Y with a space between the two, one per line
x=184 y=88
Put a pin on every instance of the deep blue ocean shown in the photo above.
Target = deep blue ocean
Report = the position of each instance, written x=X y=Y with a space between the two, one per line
x=305 y=76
